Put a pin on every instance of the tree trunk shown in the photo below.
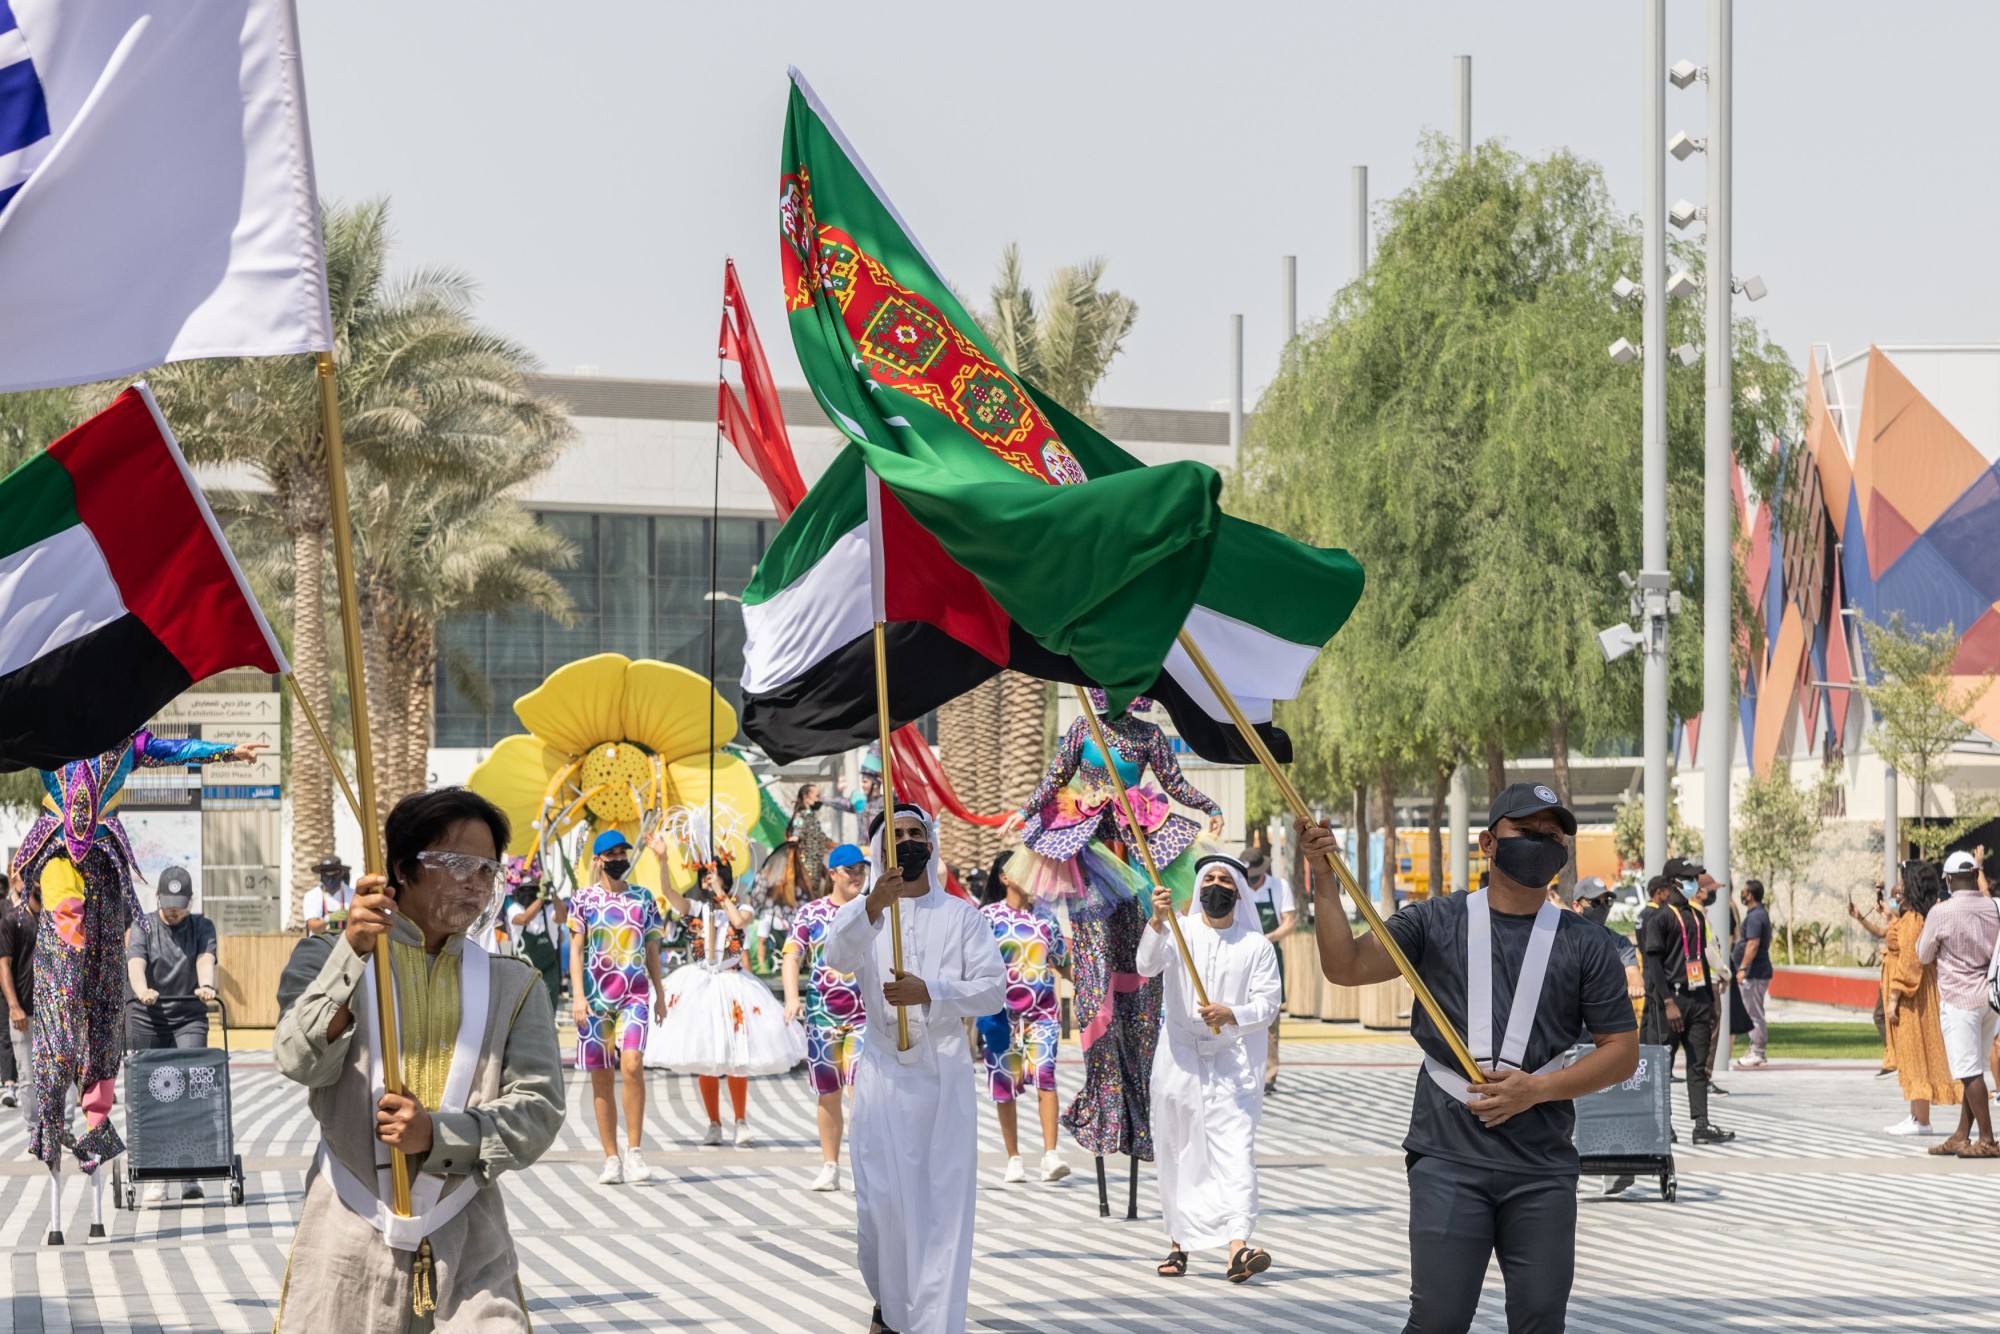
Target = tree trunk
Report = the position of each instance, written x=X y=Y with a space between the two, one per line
x=1439 y=795
x=1496 y=769
x=418 y=656
x=1023 y=727
x=383 y=737
x=969 y=735
x=1559 y=755
x=311 y=781
x=1392 y=856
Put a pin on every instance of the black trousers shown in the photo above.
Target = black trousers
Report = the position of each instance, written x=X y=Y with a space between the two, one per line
x=151 y=1026
x=1459 y=1216
x=1696 y=1036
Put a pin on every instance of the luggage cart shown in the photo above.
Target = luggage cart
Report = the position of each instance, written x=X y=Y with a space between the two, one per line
x=1625 y=1130
x=178 y=1125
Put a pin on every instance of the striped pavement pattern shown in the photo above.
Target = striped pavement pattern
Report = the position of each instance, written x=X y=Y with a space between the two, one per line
x=1803 y=1224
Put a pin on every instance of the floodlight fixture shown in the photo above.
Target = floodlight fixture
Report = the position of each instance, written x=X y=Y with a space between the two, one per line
x=1684 y=146
x=1682 y=284
x=1687 y=354
x=1618 y=640
x=1624 y=352
x=1684 y=213
x=1682 y=73
x=1625 y=578
x=1752 y=288
x=1625 y=290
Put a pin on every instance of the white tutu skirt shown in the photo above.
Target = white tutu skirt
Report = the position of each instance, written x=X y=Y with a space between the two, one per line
x=723 y=1023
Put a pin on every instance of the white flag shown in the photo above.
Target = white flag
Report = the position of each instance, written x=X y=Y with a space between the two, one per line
x=156 y=188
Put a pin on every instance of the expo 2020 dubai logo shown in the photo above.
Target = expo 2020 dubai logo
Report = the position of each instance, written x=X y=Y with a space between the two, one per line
x=165 y=1085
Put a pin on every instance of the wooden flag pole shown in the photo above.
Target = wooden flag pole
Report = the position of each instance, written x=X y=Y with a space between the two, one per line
x=1460 y=1052
x=364 y=751
x=889 y=822
x=1139 y=839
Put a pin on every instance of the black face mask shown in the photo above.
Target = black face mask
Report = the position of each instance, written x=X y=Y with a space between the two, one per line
x=1599 y=913
x=1530 y=859
x=1218 y=900
x=616 y=867
x=912 y=856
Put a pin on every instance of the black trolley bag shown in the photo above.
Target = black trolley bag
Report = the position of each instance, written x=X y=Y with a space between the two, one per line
x=177 y=1119
x=1626 y=1129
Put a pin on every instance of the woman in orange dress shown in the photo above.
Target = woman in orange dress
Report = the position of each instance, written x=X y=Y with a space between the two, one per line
x=1911 y=1008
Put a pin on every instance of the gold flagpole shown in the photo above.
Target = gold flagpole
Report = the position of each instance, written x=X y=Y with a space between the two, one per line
x=1299 y=808
x=325 y=745
x=1139 y=838
x=889 y=822
x=364 y=751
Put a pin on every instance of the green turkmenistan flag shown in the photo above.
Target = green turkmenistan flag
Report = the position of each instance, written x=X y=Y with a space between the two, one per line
x=1012 y=534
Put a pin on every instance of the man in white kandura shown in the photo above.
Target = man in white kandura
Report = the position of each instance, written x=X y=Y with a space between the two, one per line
x=914 y=1145
x=1208 y=1070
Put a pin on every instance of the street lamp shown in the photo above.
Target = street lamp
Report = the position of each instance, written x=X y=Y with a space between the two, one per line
x=1624 y=352
x=1682 y=73
x=1752 y=287
x=1614 y=642
x=1682 y=284
x=1687 y=354
x=1683 y=214
x=1625 y=291
x=1684 y=146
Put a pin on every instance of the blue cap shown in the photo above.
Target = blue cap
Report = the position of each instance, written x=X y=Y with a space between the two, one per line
x=846 y=855
x=608 y=840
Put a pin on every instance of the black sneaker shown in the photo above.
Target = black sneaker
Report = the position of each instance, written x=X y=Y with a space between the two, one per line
x=1619 y=1184
x=192 y=1192
x=7 y=1098
x=1704 y=1133
x=1718 y=1090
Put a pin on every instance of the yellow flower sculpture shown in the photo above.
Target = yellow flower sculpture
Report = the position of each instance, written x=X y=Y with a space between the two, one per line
x=613 y=744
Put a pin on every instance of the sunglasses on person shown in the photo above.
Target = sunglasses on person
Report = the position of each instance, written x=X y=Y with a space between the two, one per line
x=463 y=866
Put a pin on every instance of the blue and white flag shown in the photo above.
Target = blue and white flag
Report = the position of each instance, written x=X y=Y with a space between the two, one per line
x=156 y=188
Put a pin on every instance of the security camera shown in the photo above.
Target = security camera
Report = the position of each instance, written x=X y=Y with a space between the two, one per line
x=1753 y=288
x=1683 y=214
x=1625 y=290
x=1623 y=352
x=1687 y=354
x=1684 y=145
x=1618 y=640
x=1682 y=284
x=1684 y=72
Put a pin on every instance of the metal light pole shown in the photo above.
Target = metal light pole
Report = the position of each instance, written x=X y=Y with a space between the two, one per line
x=1718 y=695
x=1358 y=242
x=1461 y=820
x=1291 y=298
x=1235 y=387
x=1461 y=102
x=1653 y=430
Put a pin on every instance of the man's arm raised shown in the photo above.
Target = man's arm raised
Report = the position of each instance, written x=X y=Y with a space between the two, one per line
x=1343 y=958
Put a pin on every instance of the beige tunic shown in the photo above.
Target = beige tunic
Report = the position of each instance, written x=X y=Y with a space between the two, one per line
x=342 y=1273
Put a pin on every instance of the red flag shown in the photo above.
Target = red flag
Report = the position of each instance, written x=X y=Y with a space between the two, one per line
x=755 y=425
x=920 y=778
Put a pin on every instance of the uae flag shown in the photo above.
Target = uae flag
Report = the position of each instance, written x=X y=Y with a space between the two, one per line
x=1011 y=533
x=117 y=591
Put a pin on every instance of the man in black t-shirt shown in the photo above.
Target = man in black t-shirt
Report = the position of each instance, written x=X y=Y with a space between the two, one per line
x=1492 y=1168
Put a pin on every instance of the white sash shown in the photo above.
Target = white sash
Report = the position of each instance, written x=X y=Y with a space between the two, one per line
x=427 y=1212
x=1479 y=996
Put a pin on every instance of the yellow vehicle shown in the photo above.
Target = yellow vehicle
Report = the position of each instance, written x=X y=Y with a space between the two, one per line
x=1596 y=854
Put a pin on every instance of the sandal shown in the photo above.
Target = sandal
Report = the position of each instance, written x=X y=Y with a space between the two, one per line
x=1949 y=1148
x=1174 y=1266
x=1250 y=1260
x=1980 y=1148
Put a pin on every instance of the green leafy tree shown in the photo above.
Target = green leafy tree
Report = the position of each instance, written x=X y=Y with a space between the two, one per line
x=1777 y=824
x=1628 y=832
x=1921 y=716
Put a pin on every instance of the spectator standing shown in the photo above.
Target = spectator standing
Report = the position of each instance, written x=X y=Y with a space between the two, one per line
x=1680 y=995
x=1592 y=901
x=1916 y=1043
x=1876 y=922
x=170 y=968
x=532 y=916
x=325 y=905
x=1277 y=914
x=1958 y=938
x=1752 y=961
x=18 y=923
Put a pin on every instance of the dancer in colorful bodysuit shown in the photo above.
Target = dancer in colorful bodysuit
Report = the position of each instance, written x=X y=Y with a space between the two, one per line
x=616 y=991
x=1020 y=1041
x=830 y=1004
x=76 y=852
x=1076 y=849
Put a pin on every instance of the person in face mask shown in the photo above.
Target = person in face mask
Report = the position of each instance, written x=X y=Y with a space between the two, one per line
x=1680 y=989
x=615 y=984
x=1208 y=1069
x=483 y=1089
x=1492 y=1166
x=1592 y=902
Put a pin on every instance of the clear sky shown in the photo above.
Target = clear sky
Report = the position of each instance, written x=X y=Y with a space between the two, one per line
x=591 y=163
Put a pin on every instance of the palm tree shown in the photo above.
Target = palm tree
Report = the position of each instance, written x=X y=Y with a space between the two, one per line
x=993 y=738
x=422 y=391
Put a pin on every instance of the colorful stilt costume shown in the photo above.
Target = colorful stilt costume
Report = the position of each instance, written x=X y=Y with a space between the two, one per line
x=78 y=854
x=1076 y=849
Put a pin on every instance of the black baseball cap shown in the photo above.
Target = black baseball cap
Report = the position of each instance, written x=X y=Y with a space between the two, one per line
x=1517 y=800
x=1683 y=868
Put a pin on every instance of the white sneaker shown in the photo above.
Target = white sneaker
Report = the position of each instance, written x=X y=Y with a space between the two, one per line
x=1016 y=1171
x=745 y=1136
x=1053 y=1167
x=714 y=1134
x=636 y=1170
x=1747 y=1063
x=613 y=1173
x=828 y=1178
x=1909 y=1125
x=155 y=1193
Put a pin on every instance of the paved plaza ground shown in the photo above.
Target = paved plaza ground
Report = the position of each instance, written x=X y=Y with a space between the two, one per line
x=1811 y=1220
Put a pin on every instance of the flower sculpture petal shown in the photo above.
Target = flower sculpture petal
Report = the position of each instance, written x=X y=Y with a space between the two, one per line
x=514 y=777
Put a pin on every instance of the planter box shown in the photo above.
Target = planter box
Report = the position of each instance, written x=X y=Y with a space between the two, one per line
x=1851 y=988
x=1386 y=1005
x=1303 y=983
